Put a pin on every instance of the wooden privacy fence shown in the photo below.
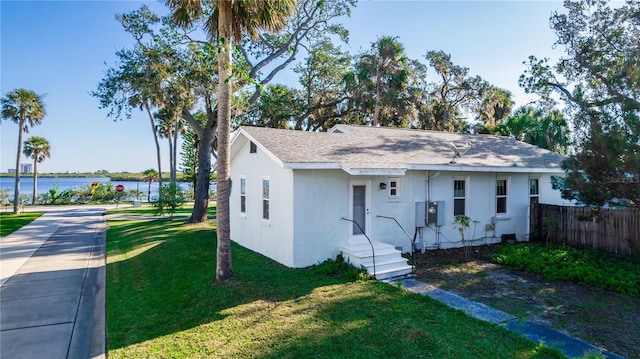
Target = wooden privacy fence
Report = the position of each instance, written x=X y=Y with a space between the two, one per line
x=612 y=230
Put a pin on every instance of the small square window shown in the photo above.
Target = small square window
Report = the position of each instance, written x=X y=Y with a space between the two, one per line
x=394 y=188
x=253 y=148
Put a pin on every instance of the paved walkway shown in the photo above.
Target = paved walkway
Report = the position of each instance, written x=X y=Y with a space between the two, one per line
x=52 y=277
x=571 y=347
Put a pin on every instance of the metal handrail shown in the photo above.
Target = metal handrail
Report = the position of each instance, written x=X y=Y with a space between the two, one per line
x=405 y=232
x=373 y=252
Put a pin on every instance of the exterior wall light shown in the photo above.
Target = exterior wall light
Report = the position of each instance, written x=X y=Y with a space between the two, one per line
x=383 y=185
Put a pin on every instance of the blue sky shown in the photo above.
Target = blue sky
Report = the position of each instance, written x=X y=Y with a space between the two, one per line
x=59 y=48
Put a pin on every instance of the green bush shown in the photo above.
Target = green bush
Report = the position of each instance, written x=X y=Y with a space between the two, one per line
x=55 y=196
x=101 y=193
x=583 y=266
x=171 y=198
x=340 y=268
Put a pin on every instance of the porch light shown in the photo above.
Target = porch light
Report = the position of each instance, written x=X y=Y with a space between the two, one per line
x=383 y=185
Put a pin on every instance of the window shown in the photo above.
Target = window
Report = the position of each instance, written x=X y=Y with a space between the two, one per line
x=534 y=190
x=459 y=197
x=265 y=198
x=501 y=196
x=243 y=195
x=253 y=148
x=394 y=188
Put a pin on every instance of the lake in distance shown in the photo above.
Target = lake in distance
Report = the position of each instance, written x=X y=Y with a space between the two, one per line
x=64 y=183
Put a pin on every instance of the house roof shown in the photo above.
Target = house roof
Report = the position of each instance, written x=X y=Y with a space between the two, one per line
x=383 y=150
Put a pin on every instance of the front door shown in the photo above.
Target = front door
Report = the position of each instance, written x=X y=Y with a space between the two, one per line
x=359 y=202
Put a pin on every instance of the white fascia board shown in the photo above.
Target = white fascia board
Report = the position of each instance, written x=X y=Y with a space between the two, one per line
x=376 y=171
x=311 y=165
x=261 y=147
x=462 y=168
x=373 y=171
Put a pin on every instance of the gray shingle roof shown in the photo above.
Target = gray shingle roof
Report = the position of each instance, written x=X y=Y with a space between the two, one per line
x=363 y=148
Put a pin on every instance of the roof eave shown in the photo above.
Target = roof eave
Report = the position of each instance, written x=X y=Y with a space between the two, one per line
x=466 y=168
x=340 y=166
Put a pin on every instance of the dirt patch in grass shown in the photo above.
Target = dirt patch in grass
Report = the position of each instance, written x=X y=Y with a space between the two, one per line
x=604 y=318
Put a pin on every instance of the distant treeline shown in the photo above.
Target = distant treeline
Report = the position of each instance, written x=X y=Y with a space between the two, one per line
x=116 y=176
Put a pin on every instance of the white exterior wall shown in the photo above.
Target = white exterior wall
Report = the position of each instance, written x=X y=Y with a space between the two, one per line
x=273 y=238
x=321 y=199
x=412 y=189
x=548 y=195
x=481 y=206
x=306 y=207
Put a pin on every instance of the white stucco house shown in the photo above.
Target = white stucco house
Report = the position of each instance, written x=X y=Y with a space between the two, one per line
x=302 y=197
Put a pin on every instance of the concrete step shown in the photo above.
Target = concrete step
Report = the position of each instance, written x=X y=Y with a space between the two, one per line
x=394 y=272
x=389 y=262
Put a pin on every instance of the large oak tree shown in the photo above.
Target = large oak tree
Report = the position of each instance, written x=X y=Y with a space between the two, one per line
x=598 y=78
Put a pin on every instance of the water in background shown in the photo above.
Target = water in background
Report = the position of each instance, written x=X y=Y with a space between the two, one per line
x=46 y=183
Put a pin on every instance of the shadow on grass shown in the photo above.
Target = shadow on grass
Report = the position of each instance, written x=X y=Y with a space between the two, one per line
x=161 y=299
x=160 y=280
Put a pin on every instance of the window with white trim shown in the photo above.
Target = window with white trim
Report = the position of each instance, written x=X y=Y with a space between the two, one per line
x=265 y=199
x=501 y=196
x=534 y=190
x=243 y=195
x=459 y=197
x=394 y=188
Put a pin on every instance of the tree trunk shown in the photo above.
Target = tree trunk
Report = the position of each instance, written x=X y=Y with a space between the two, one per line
x=155 y=138
x=175 y=150
x=224 y=270
x=16 y=192
x=376 y=110
x=171 y=157
x=201 y=189
x=35 y=181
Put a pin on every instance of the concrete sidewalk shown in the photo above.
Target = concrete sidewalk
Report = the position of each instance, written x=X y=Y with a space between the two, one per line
x=53 y=285
x=569 y=346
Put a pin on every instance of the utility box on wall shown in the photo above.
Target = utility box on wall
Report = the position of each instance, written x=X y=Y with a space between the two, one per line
x=435 y=213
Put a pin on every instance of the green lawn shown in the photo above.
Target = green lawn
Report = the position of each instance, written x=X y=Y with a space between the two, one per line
x=148 y=210
x=162 y=302
x=10 y=222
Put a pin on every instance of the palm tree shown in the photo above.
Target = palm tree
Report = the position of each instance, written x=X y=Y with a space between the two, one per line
x=384 y=64
x=543 y=128
x=170 y=125
x=38 y=149
x=26 y=109
x=150 y=175
x=227 y=21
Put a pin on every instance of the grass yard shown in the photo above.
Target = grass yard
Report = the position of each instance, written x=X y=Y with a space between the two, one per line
x=148 y=210
x=162 y=303
x=10 y=222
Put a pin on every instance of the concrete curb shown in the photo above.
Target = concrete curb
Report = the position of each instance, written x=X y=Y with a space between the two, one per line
x=88 y=339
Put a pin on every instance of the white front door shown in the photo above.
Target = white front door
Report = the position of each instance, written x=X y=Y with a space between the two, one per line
x=359 y=202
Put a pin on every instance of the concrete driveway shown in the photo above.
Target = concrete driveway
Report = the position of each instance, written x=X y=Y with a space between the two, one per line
x=52 y=286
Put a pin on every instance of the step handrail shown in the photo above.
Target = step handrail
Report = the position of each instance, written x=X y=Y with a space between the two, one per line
x=407 y=234
x=373 y=252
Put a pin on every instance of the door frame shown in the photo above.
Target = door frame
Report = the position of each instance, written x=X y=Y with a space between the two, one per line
x=360 y=238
